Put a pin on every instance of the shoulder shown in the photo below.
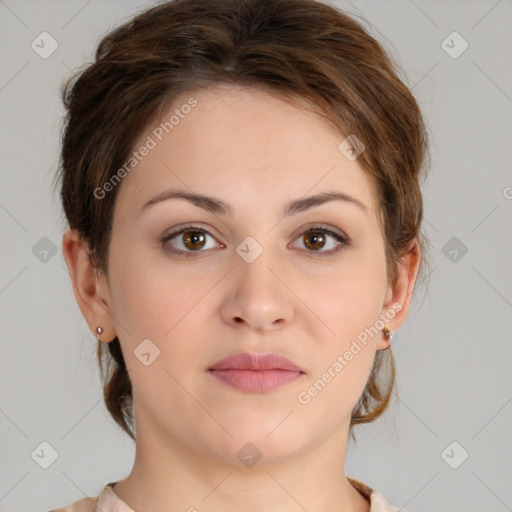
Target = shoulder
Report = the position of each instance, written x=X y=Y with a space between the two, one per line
x=107 y=501
x=377 y=501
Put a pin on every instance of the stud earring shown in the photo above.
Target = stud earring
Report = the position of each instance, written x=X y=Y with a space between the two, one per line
x=387 y=333
x=99 y=331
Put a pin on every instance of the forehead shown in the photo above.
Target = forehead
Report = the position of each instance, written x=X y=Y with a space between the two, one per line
x=245 y=143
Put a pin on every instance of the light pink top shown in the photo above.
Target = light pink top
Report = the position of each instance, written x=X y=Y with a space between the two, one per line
x=108 y=501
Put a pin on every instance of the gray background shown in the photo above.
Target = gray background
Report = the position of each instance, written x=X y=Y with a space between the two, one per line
x=453 y=354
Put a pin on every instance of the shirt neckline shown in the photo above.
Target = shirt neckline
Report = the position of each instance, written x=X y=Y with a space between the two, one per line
x=109 y=497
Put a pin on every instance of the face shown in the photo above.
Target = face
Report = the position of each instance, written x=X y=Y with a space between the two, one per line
x=200 y=285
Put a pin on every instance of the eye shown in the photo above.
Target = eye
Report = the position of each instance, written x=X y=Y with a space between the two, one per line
x=194 y=240
x=315 y=239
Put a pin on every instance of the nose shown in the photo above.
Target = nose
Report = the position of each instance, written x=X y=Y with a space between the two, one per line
x=257 y=296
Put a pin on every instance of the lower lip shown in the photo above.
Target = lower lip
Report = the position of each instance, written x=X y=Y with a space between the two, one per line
x=256 y=381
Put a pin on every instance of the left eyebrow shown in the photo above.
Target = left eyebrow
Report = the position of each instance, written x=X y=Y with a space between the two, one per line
x=218 y=206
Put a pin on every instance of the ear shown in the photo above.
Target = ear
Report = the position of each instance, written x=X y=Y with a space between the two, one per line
x=90 y=286
x=398 y=296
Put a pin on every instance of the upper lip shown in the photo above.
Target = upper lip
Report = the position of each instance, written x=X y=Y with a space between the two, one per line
x=248 y=361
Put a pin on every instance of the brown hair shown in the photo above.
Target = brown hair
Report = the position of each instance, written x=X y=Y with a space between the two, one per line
x=300 y=49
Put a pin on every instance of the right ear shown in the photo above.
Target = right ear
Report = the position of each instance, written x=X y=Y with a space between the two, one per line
x=89 y=285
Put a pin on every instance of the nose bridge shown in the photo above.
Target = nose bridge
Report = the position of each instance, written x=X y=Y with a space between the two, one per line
x=255 y=263
x=259 y=296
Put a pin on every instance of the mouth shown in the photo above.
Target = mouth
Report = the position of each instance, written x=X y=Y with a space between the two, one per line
x=256 y=373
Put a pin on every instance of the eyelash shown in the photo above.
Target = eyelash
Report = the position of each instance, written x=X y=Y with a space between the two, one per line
x=344 y=240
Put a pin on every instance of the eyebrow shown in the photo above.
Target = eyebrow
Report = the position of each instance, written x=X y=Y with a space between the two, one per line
x=218 y=206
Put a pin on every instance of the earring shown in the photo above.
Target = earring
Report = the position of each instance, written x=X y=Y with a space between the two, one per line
x=99 y=331
x=387 y=333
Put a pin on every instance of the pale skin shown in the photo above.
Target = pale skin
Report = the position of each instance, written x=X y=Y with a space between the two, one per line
x=256 y=152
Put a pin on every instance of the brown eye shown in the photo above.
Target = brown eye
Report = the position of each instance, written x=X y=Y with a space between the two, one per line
x=187 y=241
x=193 y=239
x=315 y=239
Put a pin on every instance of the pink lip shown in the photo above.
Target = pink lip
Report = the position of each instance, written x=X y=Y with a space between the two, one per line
x=256 y=373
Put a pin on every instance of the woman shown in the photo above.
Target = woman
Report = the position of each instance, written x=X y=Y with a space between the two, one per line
x=242 y=185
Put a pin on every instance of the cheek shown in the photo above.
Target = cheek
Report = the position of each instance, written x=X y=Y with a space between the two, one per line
x=150 y=293
x=349 y=305
x=344 y=353
x=350 y=298
x=166 y=303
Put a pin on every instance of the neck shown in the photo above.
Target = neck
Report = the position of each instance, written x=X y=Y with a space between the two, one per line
x=167 y=475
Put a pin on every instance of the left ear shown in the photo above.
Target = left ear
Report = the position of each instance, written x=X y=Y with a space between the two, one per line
x=398 y=296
